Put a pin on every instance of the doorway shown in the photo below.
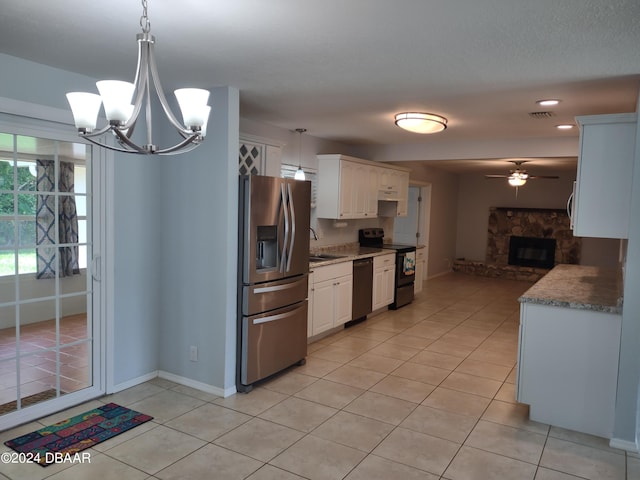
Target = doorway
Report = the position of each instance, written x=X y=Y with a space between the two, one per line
x=50 y=354
x=414 y=228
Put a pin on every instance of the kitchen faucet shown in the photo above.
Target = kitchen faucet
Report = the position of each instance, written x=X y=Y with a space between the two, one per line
x=315 y=235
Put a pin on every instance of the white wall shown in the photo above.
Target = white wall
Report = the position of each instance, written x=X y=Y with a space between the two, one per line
x=137 y=267
x=198 y=261
x=626 y=431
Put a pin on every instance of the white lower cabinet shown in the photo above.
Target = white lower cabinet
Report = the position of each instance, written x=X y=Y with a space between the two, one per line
x=568 y=367
x=310 y=305
x=331 y=296
x=384 y=270
x=421 y=263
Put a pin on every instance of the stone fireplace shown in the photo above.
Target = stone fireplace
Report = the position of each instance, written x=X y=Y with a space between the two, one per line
x=541 y=238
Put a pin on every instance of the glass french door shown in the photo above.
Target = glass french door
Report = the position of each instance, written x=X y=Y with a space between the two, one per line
x=47 y=341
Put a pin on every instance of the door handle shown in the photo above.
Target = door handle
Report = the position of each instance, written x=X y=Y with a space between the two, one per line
x=276 y=288
x=283 y=256
x=293 y=226
x=96 y=274
x=273 y=318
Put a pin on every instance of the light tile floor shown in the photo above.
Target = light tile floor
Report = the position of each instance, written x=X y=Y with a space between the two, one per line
x=424 y=392
x=39 y=360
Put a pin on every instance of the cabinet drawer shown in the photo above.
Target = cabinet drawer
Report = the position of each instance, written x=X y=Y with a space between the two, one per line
x=420 y=254
x=327 y=272
x=384 y=260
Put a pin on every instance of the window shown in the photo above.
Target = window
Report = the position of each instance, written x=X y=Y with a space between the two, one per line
x=43 y=194
x=288 y=171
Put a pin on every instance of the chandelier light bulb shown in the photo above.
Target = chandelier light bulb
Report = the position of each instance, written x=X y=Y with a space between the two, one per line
x=85 y=108
x=193 y=103
x=116 y=98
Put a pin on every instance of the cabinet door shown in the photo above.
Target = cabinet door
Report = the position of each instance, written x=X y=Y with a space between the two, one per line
x=310 y=306
x=389 y=284
x=323 y=298
x=378 y=288
x=343 y=300
x=372 y=192
x=358 y=189
x=421 y=263
x=602 y=199
x=403 y=193
x=383 y=283
x=347 y=182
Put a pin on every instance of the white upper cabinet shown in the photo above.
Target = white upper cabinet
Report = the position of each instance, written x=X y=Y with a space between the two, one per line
x=602 y=198
x=350 y=187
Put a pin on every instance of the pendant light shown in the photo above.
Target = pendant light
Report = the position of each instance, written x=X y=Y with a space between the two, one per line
x=300 y=173
x=116 y=96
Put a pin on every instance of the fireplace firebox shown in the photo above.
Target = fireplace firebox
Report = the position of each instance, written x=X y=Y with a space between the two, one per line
x=532 y=252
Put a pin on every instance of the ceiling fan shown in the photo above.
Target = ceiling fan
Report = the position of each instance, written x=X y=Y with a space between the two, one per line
x=519 y=176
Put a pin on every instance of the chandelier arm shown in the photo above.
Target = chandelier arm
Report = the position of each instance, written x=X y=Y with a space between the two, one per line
x=194 y=140
x=161 y=96
x=110 y=147
x=140 y=81
x=147 y=114
x=96 y=133
x=124 y=139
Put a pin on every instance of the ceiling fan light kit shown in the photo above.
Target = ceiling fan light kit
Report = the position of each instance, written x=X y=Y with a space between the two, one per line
x=519 y=176
x=116 y=97
x=419 y=122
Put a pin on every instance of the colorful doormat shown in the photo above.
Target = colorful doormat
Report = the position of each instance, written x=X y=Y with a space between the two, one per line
x=77 y=433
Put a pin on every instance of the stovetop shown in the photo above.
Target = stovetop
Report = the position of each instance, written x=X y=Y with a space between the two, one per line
x=374 y=237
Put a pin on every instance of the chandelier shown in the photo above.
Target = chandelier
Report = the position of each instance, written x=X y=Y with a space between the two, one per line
x=122 y=115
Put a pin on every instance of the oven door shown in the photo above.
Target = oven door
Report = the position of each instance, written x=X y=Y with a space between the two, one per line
x=405 y=268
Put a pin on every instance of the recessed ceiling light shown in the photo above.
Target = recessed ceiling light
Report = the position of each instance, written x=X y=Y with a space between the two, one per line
x=564 y=127
x=550 y=102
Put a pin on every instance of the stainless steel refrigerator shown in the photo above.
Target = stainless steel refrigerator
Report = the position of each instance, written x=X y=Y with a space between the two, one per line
x=273 y=246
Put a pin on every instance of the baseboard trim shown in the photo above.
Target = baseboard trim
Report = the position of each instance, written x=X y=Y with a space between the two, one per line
x=134 y=381
x=204 y=387
x=441 y=274
x=624 y=445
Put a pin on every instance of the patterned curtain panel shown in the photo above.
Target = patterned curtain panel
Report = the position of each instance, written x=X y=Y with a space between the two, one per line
x=67 y=263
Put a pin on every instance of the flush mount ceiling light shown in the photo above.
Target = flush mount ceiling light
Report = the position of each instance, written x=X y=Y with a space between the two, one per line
x=418 y=122
x=564 y=127
x=299 y=175
x=550 y=102
x=121 y=115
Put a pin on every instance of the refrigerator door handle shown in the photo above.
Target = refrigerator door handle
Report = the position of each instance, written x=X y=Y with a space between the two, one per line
x=273 y=318
x=283 y=256
x=276 y=288
x=293 y=227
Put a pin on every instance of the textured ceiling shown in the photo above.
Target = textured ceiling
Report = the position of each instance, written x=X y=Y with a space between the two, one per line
x=342 y=69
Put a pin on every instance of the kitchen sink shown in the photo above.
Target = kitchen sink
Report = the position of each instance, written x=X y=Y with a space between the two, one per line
x=323 y=256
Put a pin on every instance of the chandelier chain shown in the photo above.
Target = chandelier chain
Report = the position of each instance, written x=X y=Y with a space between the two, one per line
x=144 y=19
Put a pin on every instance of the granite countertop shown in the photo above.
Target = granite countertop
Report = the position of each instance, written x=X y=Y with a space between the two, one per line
x=580 y=287
x=347 y=253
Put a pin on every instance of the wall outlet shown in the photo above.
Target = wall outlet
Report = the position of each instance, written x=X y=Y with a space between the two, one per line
x=193 y=353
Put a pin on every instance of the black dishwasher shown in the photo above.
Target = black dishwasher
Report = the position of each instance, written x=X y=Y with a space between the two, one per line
x=362 y=288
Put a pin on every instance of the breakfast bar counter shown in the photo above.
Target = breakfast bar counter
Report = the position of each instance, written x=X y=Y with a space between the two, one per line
x=577 y=286
x=570 y=326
